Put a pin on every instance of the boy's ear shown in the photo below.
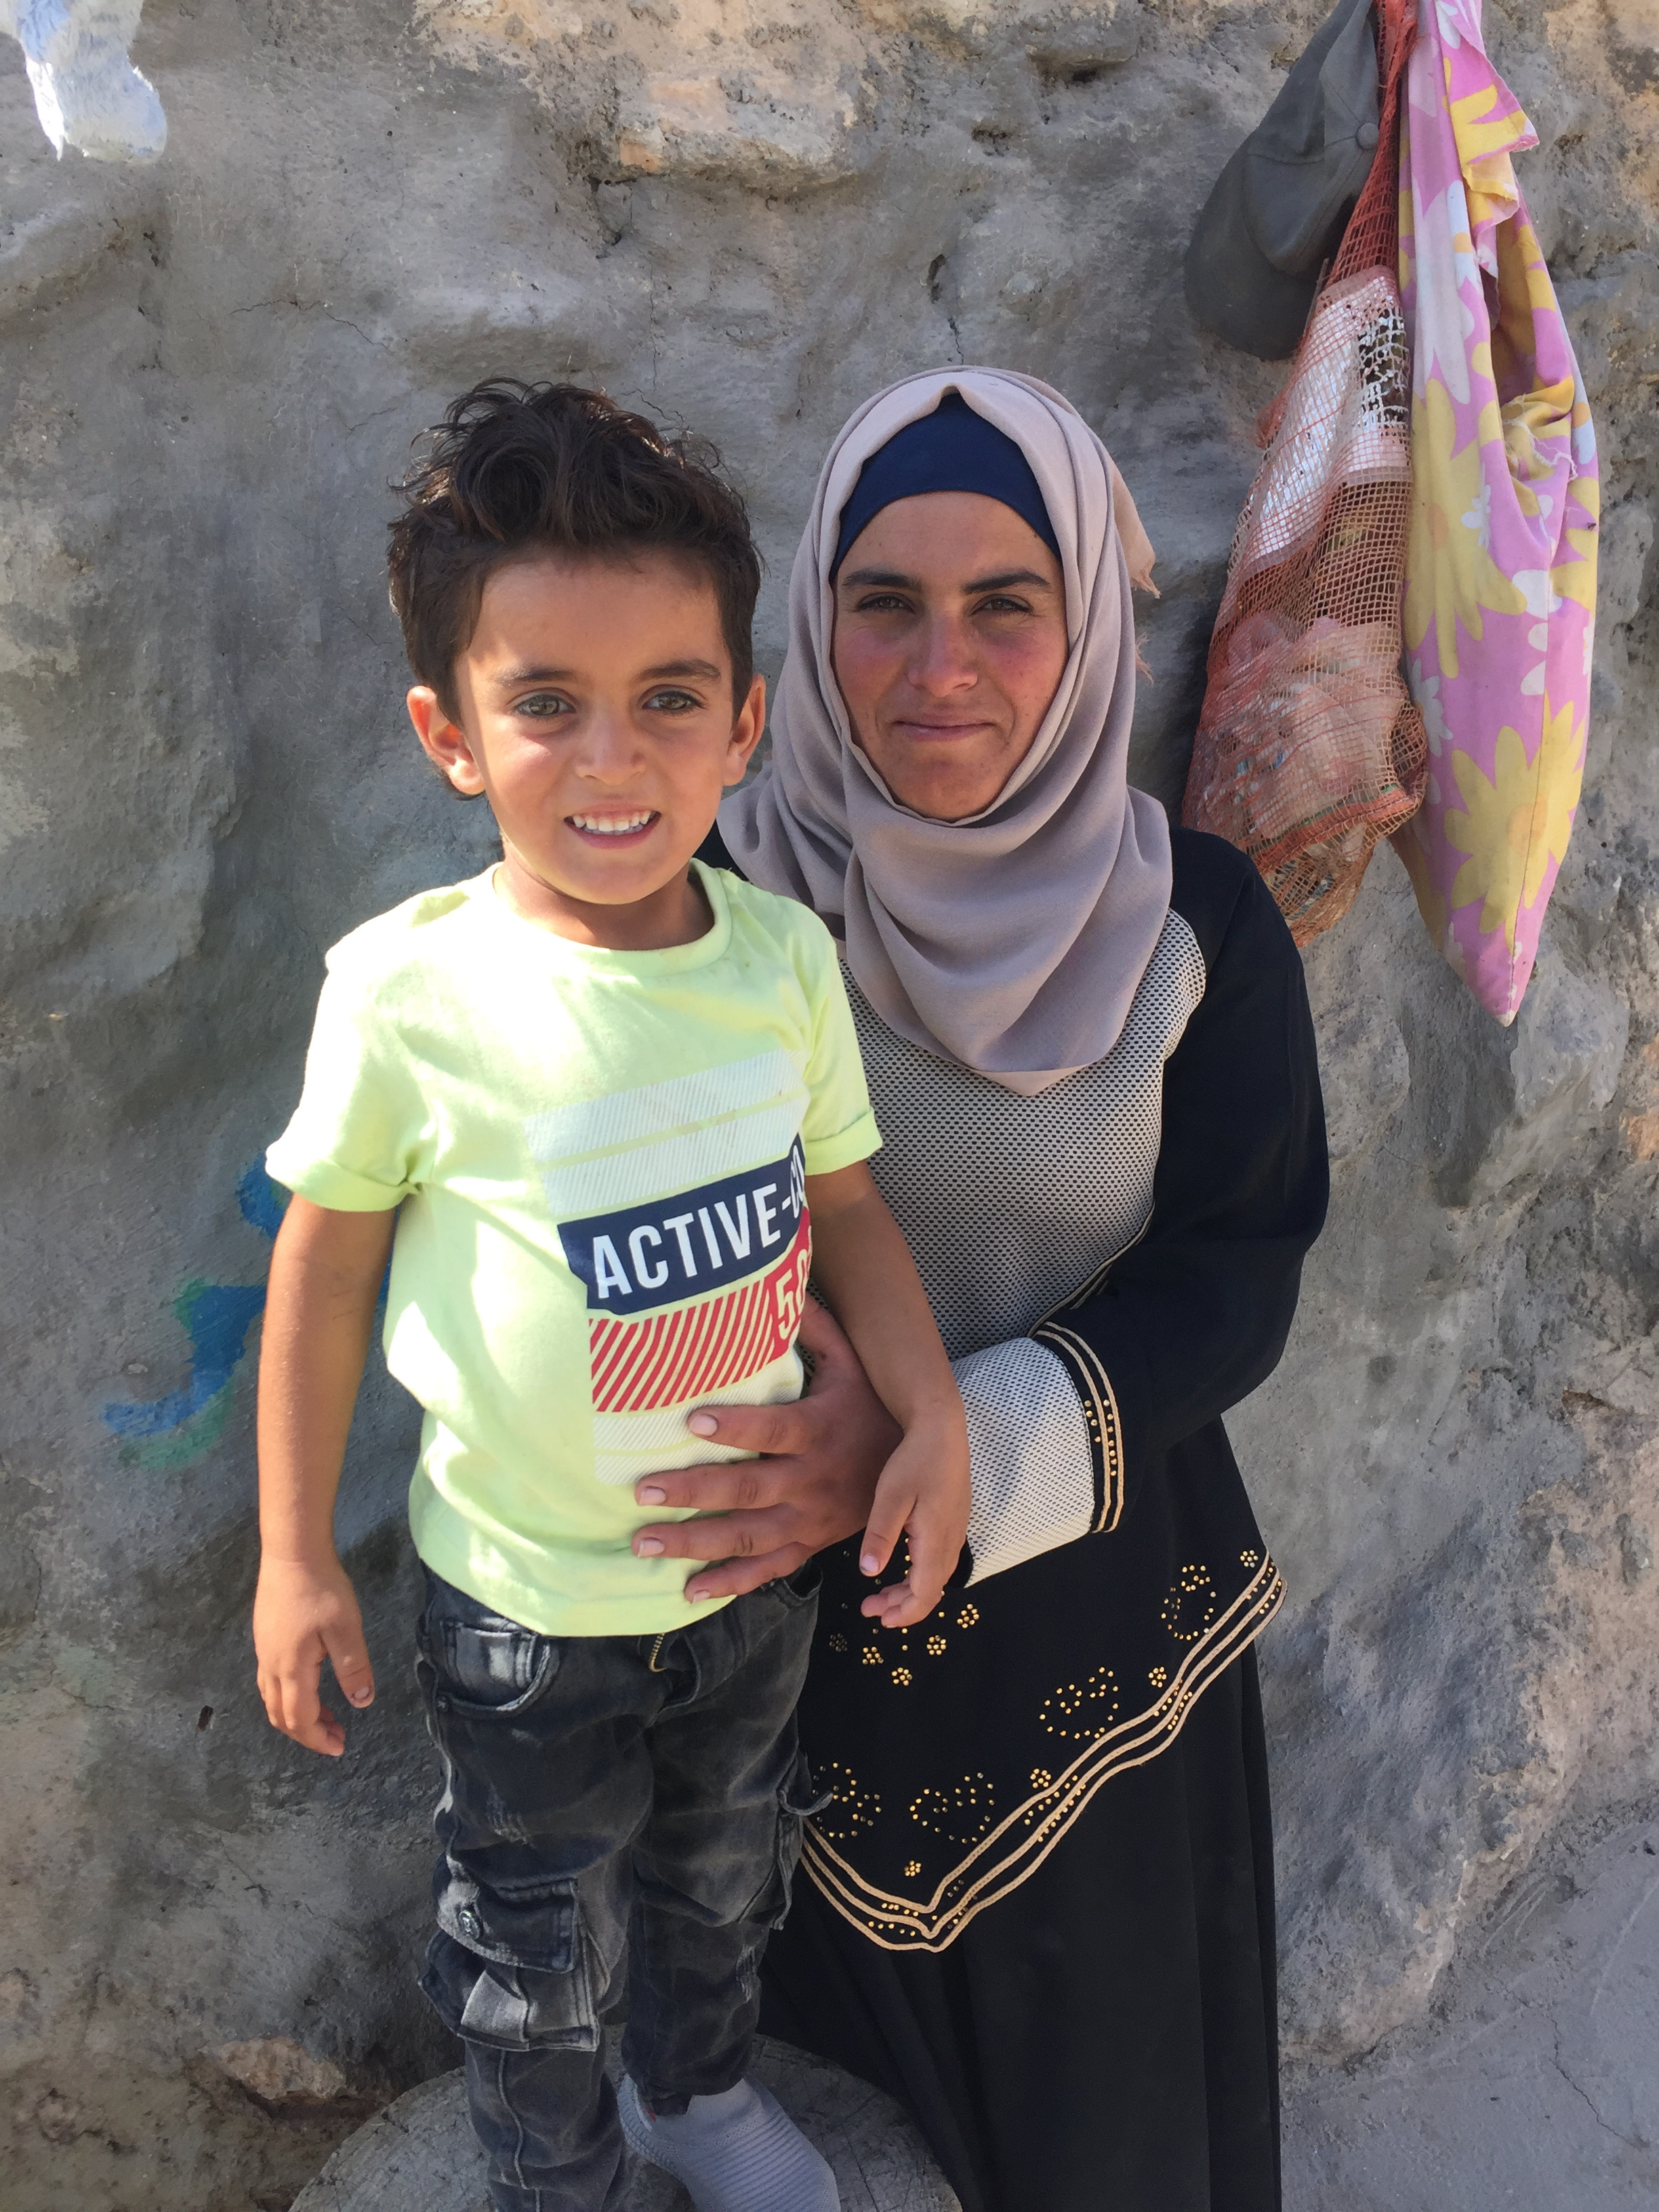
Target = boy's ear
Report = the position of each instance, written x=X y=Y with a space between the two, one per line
x=745 y=732
x=445 y=743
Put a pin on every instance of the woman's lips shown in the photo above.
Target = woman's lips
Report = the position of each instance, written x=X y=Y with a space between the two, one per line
x=926 y=731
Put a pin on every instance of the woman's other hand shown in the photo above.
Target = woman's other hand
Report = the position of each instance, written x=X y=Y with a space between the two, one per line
x=824 y=1456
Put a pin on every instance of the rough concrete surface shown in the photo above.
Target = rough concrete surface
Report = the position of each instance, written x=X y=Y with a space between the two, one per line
x=745 y=214
x=1533 y=2088
x=421 y=2156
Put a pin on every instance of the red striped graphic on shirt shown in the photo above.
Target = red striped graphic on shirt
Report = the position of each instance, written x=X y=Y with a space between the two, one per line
x=657 y=1359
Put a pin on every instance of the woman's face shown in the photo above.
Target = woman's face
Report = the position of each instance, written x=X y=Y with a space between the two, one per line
x=949 y=642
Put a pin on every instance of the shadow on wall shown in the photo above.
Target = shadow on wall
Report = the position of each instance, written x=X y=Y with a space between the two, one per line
x=178 y=1430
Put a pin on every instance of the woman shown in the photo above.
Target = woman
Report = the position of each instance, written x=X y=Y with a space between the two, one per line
x=1039 y=1906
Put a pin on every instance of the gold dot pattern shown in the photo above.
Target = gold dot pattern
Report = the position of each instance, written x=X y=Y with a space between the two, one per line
x=838 y=1641
x=1190 y=1606
x=1085 y=1709
x=963 y=1813
x=995 y=1825
x=852 y=1807
x=1251 y=1558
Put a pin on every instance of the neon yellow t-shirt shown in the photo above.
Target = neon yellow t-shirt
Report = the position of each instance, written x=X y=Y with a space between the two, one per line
x=600 y=1159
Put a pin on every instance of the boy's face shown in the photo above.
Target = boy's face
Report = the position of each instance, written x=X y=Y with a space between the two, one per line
x=595 y=714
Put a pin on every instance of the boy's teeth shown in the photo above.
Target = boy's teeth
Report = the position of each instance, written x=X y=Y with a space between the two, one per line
x=611 y=825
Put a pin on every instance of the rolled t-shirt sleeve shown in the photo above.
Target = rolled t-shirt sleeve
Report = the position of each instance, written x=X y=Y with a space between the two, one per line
x=839 y=1128
x=358 y=1135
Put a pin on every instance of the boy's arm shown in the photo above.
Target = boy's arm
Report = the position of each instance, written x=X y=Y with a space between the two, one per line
x=324 y=1280
x=865 y=1267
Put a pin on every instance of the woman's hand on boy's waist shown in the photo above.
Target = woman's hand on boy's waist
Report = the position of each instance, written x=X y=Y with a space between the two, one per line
x=822 y=1457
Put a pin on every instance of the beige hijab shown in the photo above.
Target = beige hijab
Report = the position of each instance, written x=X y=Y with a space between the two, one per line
x=1013 y=941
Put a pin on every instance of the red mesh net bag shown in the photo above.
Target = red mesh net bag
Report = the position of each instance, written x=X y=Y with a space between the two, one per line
x=1308 y=749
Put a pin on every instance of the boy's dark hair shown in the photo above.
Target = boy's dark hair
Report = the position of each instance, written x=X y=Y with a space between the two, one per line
x=515 y=466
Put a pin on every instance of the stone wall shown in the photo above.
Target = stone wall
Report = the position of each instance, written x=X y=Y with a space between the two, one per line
x=745 y=214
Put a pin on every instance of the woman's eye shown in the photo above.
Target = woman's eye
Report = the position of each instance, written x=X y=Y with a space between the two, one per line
x=1000 y=606
x=884 y=603
x=541 y=706
x=673 y=703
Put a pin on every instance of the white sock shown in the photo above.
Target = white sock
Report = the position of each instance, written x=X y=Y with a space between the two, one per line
x=736 y=2152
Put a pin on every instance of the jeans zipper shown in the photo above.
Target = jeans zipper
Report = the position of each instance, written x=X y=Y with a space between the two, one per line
x=655 y=1652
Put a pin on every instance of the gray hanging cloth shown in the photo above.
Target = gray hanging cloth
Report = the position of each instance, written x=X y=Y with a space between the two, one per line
x=1278 y=209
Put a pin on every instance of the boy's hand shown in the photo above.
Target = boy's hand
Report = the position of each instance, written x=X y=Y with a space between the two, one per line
x=924 y=1496
x=303 y=1615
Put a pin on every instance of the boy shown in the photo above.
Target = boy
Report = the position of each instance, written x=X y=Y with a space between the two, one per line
x=603 y=1089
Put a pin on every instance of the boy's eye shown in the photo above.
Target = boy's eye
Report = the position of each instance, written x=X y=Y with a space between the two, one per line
x=672 y=701
x=541 y=706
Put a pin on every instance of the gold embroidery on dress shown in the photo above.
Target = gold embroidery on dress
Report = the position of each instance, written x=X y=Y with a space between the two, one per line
x=963 y=1814
x=1099 y=1403
x=1086 y=1712
x=1004 y=1854
x=1190 y=1606
x=851 y=1806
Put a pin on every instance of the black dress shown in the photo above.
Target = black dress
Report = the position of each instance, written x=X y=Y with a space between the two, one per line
x=1039 y=1909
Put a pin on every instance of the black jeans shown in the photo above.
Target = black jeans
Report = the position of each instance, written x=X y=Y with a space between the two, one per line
x=617 y=1811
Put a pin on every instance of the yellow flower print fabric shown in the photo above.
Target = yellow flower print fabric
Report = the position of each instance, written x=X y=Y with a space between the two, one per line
x=1500 y=575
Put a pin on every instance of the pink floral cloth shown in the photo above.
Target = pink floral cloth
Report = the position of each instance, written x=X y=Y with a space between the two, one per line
x=1500 y=576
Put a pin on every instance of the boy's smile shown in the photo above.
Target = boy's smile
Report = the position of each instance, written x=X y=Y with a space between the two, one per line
x=595 y=713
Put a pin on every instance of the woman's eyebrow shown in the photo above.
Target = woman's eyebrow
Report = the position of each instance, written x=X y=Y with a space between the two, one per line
x=1001 y=583
x=891 y=580
x=887 y=578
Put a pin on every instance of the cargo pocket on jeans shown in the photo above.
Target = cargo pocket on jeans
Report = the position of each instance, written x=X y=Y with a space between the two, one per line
x=511 y=1970
x=797 y=1801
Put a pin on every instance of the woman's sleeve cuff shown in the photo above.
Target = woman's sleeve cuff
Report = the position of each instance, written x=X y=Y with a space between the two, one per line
x=1035 y=1454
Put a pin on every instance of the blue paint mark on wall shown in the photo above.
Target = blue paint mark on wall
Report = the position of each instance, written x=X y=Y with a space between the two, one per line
x=218 y=1316
x=173 y=1430
x=263 y=1202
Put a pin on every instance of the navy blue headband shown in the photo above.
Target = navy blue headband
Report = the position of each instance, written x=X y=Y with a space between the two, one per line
x=952 y=449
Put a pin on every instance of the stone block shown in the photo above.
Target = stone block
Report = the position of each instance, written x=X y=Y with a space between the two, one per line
x=421 y=2156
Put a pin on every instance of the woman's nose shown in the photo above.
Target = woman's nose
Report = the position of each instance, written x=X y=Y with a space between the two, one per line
x=943 y=661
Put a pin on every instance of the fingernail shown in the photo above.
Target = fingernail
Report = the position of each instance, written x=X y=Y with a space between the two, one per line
x=361 y=1697
x=702 y=1424
x=652 y=1495
x=870 y=1564
x=696 y=1596
x=646 y=1548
